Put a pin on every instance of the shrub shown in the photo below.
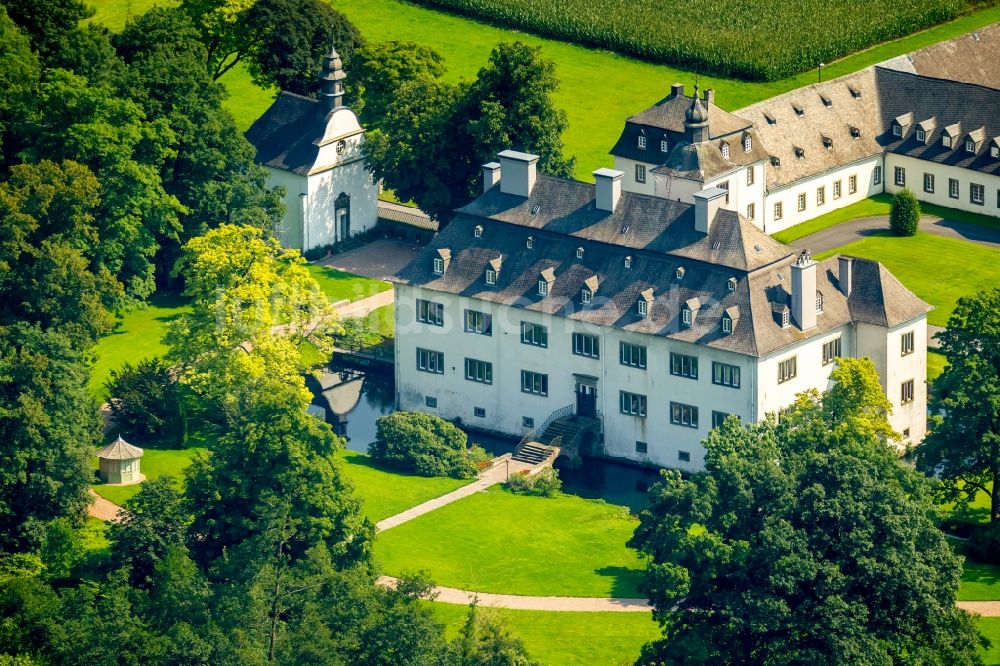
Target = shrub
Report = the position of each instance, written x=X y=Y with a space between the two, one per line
x=545 y=483
x=315 y=253
x=146 y=399
x=904 y=213
x=421 y=443
x=984 y=544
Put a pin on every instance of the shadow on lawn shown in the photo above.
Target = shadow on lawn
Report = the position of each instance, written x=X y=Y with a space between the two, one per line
x=362 y=460
x=626 y=581
x=981 y=574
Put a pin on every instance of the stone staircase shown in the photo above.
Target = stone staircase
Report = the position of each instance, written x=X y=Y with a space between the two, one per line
x=567 y=429
x=561 y=433
x=534 y=453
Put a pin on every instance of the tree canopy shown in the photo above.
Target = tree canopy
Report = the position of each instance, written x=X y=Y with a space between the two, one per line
x=804 y=541
x=963 y=446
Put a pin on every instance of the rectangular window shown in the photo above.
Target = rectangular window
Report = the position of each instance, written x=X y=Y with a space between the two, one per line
x=802 y=201
x=430 y=313
x=820 y=196
x=877 y=175
x=725 y=186
x=431 y=401
x=718 y=418
x=641 y=447
x=906 y=344
x=684 y=456
x=478 y=371
x=953 y=188
x=751 y=210
x=685 y=415
x=852 y=184
x=527 y=422
x=632 y=355
x=778 y=210
x=836 y=189
x=534 y=334
x=787 y=369
x=724 y=374
x=750 y=175
x=478 y=322
x=586 y=345
x=534 y=382
x=929 y=182
x=491 y=277
x=664 y=146
x=438 y=265
x=543 y=287
x=900 y=176
x=640 y=173
x=683 y=365
x=831 y=351
x=641 y=142
x=946 y=141
x=430 y=361
x=906 y=392
x=977 y=194
x=479 y=412
x=632 y=404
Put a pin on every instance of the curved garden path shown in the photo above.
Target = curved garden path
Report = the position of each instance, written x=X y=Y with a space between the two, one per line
x=847 y=232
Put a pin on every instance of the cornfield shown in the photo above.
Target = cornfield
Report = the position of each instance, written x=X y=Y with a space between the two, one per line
x=760 y=40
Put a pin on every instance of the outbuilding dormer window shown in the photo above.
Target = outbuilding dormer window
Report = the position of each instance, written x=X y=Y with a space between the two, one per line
x=478 y=231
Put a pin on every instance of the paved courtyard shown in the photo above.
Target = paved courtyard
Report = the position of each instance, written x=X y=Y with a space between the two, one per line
x=378 y=259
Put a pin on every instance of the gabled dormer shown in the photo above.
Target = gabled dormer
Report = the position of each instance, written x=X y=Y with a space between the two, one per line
x=826 y=100
x=724 y=148
x=747 y=142
x=545 y=280
x=644 y=302
x=974 y=140
x=827 y=141
x=441 y=261
x=855 y=132
x=588 y=289
x=855 y=92
x=900 y=124
x=925 y=130
x=493 y=271
x=689 y=311
x=477 y=231
x=782 y=314
x=995 y=148
x=950 y=134
x=729 y=319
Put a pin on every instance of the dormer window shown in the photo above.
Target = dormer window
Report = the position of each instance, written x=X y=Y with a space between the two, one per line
x=727 y=324
x=970 y=146
x=826 y=100
x=628 y=261
x=819 y=301
x=547 y=277
x=543 y=288
x=686 y=317
x=855 y=93
x=921 y=136
x=855 y=132
x=478 y=231
x=530 y=243
x=995 y=149
x=786 y=318
x=897 y=130
x=679 y=274
x=799 y=111
x=775 y=161
x=771 y=120
x=643 y=307
x=438 y=265
x=641 y=142
x=799 y=153
x=586 y=295
x=589 y=288
x=747 y=143
x=946 y=141
x=664 y=146
x=731 y=284
x=725 y=150
x=827 y=142
x=491 y=277
x=689 y=311
x=579 y=253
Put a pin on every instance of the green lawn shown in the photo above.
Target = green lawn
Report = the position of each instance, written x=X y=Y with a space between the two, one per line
x=935 y=364
x=383 y=320
x=990 y=627
x=496 y=541
x=876 y=205
x=935 y=268
x=980 y=582
x=387 y=493
x=138 y=336
x=339 y=286
x=567 y=639
x=598 y=90
x=154 y=463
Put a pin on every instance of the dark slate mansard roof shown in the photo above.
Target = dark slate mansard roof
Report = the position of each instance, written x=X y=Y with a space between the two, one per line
x=285 y=136
x=660 y=237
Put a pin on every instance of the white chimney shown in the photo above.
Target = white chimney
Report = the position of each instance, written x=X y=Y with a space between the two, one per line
x=519 y=170
x=491 y=175
x=607 y=188
x=845 y=275
x=804 y=291
x=706 y=204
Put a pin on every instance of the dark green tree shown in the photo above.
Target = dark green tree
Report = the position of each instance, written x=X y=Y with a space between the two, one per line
x=485 y=640
x=380 y=69
x=421 y=443
x=146 y=399
x=904 y=213
x=48 y=428
x=50 y=26
x=963 y=447
x=19 y=71
x=806 y=541
x=154 y=521
x=432 y=139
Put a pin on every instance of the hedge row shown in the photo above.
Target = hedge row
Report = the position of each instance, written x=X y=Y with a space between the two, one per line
x=760 y=40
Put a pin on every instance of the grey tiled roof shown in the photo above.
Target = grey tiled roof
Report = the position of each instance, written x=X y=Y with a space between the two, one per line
x=284 y=136
x=704 y=161
x=971 y=58
x=409 y=215
x=964 y=107
x=782 y=129
x=663 y=241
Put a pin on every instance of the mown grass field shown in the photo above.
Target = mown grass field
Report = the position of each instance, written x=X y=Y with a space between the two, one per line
x=155 y=462
x=339 y=286
x=567 y=639
x=598 y=89
x=496 y=541
x=990 y=627
x=719 y=36
x=935 y=268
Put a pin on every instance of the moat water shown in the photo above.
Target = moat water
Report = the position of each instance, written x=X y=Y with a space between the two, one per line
x=351 y=400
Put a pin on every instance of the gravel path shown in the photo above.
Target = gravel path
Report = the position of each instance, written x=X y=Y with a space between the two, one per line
x=853 y=230
x=103 y=509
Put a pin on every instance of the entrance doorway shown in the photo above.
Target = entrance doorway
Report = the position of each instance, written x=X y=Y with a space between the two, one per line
x=343 y=207
x=586 y=398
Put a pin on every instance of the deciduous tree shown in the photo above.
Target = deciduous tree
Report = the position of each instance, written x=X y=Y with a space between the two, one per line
x=803 y=543
x=963 y=447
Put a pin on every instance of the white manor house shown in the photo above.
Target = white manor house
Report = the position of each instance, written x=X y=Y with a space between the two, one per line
x=628 y=316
